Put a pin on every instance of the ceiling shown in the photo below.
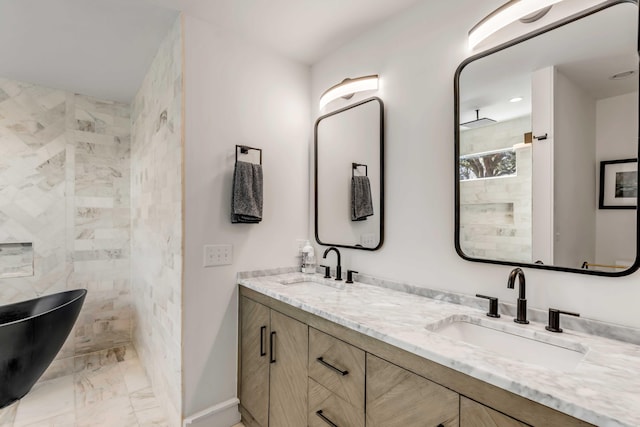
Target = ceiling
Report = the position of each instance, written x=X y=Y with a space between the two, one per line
x=303 y=30
x=103 y=48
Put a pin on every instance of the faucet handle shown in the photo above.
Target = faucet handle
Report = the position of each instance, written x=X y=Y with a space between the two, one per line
x=493 y=305
x=327 y=271
x=554 y=319
x=350 y=276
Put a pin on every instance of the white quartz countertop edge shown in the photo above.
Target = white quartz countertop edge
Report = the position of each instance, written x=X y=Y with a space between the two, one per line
x=600 y=395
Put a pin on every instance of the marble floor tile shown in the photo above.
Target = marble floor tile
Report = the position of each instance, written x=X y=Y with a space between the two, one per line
x=8 y=415
x=144 y=399
x=111 y=412
x=152 y=417
x=105 y=389
x=135 y=377
x=99 y=384
x=64 y=420
x=47 y=400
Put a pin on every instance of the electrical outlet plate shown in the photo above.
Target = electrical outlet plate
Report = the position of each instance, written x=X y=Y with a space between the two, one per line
x=216 y=255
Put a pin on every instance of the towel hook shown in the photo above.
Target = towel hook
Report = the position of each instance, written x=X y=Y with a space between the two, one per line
x=355 y=166
x=244 y=149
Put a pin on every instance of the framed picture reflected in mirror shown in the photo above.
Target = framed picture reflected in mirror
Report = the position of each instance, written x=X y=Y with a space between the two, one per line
x=618 y=184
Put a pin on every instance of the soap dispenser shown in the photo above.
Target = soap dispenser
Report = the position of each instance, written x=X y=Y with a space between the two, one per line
x=308 y=259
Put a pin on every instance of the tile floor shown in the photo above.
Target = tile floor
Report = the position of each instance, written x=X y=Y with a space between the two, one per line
x=108 y=388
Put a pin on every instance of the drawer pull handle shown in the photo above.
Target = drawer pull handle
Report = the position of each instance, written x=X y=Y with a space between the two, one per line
x=272 y=347
x=333 y=368
x=325 y=419
x=263 y=352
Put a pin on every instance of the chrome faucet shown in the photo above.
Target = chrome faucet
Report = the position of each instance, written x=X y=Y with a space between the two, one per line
x=338 y=266
x=521 y=316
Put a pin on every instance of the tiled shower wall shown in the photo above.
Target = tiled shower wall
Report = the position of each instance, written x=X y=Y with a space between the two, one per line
x=64 y=186
x=495 y=213
x=156 y=198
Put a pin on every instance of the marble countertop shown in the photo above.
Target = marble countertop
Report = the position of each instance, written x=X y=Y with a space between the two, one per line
x=603 y=389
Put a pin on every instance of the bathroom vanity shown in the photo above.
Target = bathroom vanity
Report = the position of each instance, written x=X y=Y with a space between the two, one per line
x=318 y=352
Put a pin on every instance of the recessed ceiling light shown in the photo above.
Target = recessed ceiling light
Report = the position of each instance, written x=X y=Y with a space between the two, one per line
x=516 y=99
x=623 y=75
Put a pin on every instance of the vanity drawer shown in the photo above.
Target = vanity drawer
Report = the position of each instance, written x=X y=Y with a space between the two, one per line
x=338 y=366
x=326 y=407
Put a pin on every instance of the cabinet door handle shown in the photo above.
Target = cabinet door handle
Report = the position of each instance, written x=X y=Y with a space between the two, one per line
x=325 y=419
x=272 y=347
x=263 y=352
x=333 y=368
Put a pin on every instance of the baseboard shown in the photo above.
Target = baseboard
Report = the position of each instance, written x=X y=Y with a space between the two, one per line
x=224 y=414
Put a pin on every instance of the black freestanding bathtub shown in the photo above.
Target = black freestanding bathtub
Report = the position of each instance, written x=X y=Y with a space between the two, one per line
x=31 y=334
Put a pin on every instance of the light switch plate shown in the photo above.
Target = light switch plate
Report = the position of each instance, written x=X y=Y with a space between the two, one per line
x=216 y=255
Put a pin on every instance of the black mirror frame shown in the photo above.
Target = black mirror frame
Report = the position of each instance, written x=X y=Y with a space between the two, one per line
x=315 y=181
x=456 y=84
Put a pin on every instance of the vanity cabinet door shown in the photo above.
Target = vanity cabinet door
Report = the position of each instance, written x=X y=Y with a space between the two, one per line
x=474 y=414
x=399 y=398
x=289 y=342
x=254 y=359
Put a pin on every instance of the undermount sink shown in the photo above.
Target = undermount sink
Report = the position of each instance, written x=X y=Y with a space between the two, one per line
x=510 y=341
x=300 y=279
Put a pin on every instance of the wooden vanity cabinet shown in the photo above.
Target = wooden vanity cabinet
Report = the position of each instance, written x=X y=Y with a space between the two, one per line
x=385 y=385
x=273 y=366
x=474 y=414
x=399 y=398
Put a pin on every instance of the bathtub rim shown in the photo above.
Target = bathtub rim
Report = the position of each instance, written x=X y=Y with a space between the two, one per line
x=81 y=294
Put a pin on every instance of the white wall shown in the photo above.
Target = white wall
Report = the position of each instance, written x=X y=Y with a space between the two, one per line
x=574 y=173
x=236 y=94
x=416 y=54
x=616 y=138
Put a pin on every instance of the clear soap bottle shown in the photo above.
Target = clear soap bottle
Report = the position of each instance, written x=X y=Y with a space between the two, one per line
x=308 y=259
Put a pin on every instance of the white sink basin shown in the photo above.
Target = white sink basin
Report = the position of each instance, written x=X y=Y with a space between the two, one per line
x=305 y=279
x=506 y=342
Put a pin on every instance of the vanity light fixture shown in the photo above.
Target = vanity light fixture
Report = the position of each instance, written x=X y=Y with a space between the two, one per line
x=348 y=87
x=516 y=99
x=505 y=15
x=623 y=75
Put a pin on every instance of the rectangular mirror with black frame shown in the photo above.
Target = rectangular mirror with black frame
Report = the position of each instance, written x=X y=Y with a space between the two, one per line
x=349 y=176
x=534 y=120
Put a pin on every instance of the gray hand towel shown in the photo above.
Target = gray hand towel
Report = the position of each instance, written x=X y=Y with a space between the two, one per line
x=361 y=203
x=246 y=195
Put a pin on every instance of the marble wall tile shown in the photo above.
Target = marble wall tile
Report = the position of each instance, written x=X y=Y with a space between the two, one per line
x=64 y=187
x=32 y=185
x=156 y=222
x=495 y=214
